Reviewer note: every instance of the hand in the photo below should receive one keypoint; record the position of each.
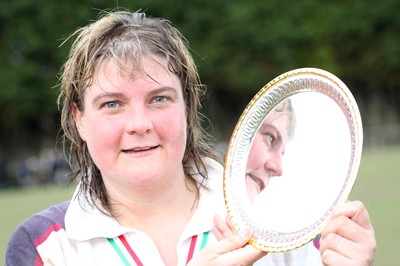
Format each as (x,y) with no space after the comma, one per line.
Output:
(349,238)
(232,248)
(223,229)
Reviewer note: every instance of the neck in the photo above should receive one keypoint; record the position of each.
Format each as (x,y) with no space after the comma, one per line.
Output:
(160,211)
(137,207)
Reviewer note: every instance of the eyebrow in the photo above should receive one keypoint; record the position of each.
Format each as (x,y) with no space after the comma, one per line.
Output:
(278,133)
(121,95)
(164,89)
(99,97)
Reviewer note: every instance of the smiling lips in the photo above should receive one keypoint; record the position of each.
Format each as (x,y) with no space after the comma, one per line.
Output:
(140,149)
(260,182)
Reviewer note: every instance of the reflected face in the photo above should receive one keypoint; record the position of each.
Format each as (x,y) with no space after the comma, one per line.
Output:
(265,157)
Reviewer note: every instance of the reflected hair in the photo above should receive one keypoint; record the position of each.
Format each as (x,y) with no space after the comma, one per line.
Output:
(127,38)
(287,106)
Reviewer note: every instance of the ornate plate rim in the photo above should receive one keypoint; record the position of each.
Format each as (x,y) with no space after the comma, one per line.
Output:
(280,88)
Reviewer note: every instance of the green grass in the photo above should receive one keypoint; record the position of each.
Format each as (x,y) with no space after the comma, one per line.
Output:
(377,185)
(17,205)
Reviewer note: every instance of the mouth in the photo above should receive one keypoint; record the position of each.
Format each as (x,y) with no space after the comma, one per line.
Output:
(258,181)
(140,149)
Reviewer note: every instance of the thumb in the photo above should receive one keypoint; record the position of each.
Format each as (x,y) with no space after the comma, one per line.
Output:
(234,242)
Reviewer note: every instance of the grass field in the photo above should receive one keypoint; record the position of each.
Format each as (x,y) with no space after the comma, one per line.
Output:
(377,185)
(17,205)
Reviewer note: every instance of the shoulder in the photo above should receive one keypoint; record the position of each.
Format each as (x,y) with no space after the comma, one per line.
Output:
(32,232)
(48,220)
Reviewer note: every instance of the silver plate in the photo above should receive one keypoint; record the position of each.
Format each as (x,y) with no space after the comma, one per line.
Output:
(322,160)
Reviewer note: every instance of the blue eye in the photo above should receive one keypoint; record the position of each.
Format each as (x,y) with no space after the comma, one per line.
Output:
(269,138)
(160,99)
(111,105)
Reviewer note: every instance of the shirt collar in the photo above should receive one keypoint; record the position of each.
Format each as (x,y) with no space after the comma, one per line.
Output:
(83,221)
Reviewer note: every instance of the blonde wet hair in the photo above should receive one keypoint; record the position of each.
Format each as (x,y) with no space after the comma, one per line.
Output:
(286,107)
(126,38)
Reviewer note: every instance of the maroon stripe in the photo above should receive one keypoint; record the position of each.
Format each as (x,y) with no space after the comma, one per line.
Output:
(52,228)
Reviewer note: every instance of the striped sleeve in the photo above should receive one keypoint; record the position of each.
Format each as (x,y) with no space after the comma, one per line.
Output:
(22,246)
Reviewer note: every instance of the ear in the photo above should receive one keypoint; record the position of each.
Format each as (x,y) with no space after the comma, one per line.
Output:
(79,121)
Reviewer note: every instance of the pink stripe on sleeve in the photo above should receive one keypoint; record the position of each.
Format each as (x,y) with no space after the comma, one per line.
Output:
(42,238)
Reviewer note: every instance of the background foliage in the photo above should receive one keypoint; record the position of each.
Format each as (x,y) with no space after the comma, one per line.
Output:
(238,45)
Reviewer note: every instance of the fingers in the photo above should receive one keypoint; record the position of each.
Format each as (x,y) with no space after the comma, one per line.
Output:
(356,211)
(342,245)
(234,250)
(347,228)
(349,238)
(225,233)
(331,258)
(229,223)
(232,247)
(351,221)
(223,229)
(337,250)
(248,255)
(234,241)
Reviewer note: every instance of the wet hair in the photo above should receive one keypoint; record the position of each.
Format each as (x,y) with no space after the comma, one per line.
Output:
(126,38)
(286,107)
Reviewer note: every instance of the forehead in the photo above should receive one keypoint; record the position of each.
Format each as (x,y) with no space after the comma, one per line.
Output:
(277,116)
(134,68)
(151,69)
(279,120)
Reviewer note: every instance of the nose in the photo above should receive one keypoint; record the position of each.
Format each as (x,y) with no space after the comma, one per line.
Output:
(138,120)
(274,164)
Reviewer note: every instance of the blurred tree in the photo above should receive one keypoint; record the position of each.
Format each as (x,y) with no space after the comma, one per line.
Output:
(31,58)
(238,45)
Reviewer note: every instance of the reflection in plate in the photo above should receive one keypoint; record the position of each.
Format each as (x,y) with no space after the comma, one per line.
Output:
(320,160)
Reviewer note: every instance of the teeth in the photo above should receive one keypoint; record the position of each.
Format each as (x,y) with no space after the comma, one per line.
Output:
(142,149)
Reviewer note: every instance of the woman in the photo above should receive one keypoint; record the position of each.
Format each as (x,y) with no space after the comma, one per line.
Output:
(269,144)
(149,185)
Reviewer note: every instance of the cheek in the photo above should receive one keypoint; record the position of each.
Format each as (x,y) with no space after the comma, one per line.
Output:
(101,137)
(104,136)
(251,189)
(256,154)
(173,128)
(172,122)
